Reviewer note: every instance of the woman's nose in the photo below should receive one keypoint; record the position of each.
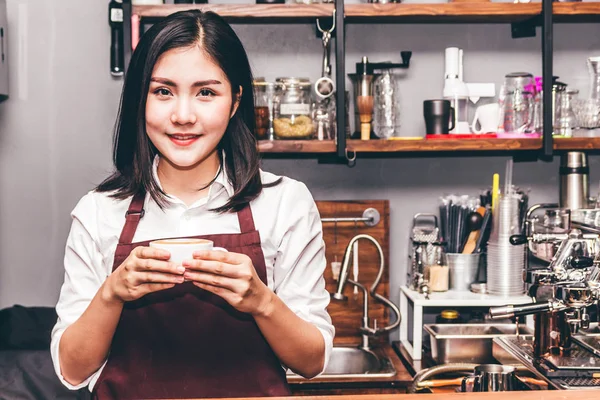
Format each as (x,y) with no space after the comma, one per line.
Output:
(183,113)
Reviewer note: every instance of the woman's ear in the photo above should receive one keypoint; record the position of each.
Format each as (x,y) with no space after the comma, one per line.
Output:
(236,103)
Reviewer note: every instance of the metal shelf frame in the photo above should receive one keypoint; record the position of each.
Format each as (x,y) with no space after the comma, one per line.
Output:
(345,155)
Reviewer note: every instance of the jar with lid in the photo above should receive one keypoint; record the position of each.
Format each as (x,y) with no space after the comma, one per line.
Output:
(448,317)
(264,98)
(293,109)
(438,271)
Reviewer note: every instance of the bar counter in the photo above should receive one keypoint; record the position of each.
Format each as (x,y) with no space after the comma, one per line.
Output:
(531,395)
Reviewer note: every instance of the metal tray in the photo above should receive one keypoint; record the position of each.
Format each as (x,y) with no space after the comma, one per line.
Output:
(472,343)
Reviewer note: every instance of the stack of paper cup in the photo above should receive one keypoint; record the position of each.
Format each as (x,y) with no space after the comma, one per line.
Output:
(505,262)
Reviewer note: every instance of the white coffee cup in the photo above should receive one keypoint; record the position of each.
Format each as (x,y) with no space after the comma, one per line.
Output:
(488,117)
(183,249)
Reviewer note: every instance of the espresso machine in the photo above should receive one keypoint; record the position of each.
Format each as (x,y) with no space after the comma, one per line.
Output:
(565,347)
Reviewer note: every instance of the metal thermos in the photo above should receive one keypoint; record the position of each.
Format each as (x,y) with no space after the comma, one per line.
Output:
(574,180)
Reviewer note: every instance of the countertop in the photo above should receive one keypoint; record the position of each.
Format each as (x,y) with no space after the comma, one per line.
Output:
(532,395)
(402,378)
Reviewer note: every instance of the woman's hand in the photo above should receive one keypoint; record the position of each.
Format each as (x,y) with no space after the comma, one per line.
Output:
(146,270)
(231,276)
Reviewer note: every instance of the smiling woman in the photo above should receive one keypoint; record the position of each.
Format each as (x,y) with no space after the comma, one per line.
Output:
(188,108)
(134,323)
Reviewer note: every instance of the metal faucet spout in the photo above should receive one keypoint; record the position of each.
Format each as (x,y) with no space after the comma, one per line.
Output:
(343,279)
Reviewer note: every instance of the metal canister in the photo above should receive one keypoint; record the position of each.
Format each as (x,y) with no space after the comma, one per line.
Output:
(574,180)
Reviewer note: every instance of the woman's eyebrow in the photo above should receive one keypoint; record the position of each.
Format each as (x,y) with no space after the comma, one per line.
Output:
(163,81)
(207,83)
(169,82)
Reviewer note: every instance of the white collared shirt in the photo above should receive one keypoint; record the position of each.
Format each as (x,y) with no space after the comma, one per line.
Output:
(285,215)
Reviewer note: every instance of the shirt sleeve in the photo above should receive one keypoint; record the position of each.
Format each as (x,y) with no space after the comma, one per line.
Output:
(84,274)
(300,263)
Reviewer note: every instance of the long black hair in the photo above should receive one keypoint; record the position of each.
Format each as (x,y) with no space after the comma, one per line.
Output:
(133,152)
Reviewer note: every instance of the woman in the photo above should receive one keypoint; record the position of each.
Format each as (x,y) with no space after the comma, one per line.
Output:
(134,325)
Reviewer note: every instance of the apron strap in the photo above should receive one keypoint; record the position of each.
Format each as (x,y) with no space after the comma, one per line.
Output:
(246,220)
(136,212)
(132,218)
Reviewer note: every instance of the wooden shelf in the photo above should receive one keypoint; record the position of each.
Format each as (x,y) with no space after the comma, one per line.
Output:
(391,12)
(443,145)
(580,143)
(245,12)
(576,12)
(296,146)
(469,12)
(443,12)
(423,145)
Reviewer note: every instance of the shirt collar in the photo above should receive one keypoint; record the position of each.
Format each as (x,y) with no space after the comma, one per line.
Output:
(221,180)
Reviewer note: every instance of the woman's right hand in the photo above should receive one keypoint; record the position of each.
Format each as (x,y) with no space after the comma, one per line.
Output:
(146,270)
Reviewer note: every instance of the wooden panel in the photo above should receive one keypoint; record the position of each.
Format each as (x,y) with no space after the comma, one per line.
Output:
(347,316)
(296,146)
(291,12)
(434,145)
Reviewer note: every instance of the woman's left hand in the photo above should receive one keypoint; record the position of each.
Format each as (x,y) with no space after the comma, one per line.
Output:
(231,276)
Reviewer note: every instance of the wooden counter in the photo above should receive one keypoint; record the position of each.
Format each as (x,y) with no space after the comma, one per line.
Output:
(533,395)
(354,386)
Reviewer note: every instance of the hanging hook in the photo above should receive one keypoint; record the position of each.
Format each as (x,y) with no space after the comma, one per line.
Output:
(327,31)
(351,160)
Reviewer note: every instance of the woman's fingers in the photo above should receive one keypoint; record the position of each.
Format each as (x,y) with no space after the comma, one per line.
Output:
(213,280)
(213,267)
(160,266)
(152,252)
(158,277)
(155,287)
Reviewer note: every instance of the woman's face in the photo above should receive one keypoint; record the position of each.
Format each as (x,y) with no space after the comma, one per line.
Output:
(188,107)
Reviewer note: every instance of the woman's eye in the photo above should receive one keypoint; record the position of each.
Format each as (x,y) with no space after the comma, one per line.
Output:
(162,92)
(206,93)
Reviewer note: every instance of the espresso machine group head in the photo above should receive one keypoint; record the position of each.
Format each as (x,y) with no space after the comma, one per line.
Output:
(563,291)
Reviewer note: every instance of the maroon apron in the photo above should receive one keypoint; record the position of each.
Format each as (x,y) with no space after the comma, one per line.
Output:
(185,342)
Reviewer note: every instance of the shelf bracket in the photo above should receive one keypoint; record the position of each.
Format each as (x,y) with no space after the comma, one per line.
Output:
(526,28)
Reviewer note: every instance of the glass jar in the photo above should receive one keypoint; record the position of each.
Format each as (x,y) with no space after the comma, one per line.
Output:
(514,82)
(386,113)
(518,112)
(594,71)
(264,98)
(564,118)
(438,271)
(293,109)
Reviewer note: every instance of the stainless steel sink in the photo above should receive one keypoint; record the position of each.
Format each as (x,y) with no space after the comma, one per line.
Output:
(352,362)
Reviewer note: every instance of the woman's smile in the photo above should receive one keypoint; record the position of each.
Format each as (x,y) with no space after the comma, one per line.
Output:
(184,139)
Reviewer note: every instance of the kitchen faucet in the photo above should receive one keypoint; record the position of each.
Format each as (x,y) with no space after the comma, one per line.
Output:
(365,329)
